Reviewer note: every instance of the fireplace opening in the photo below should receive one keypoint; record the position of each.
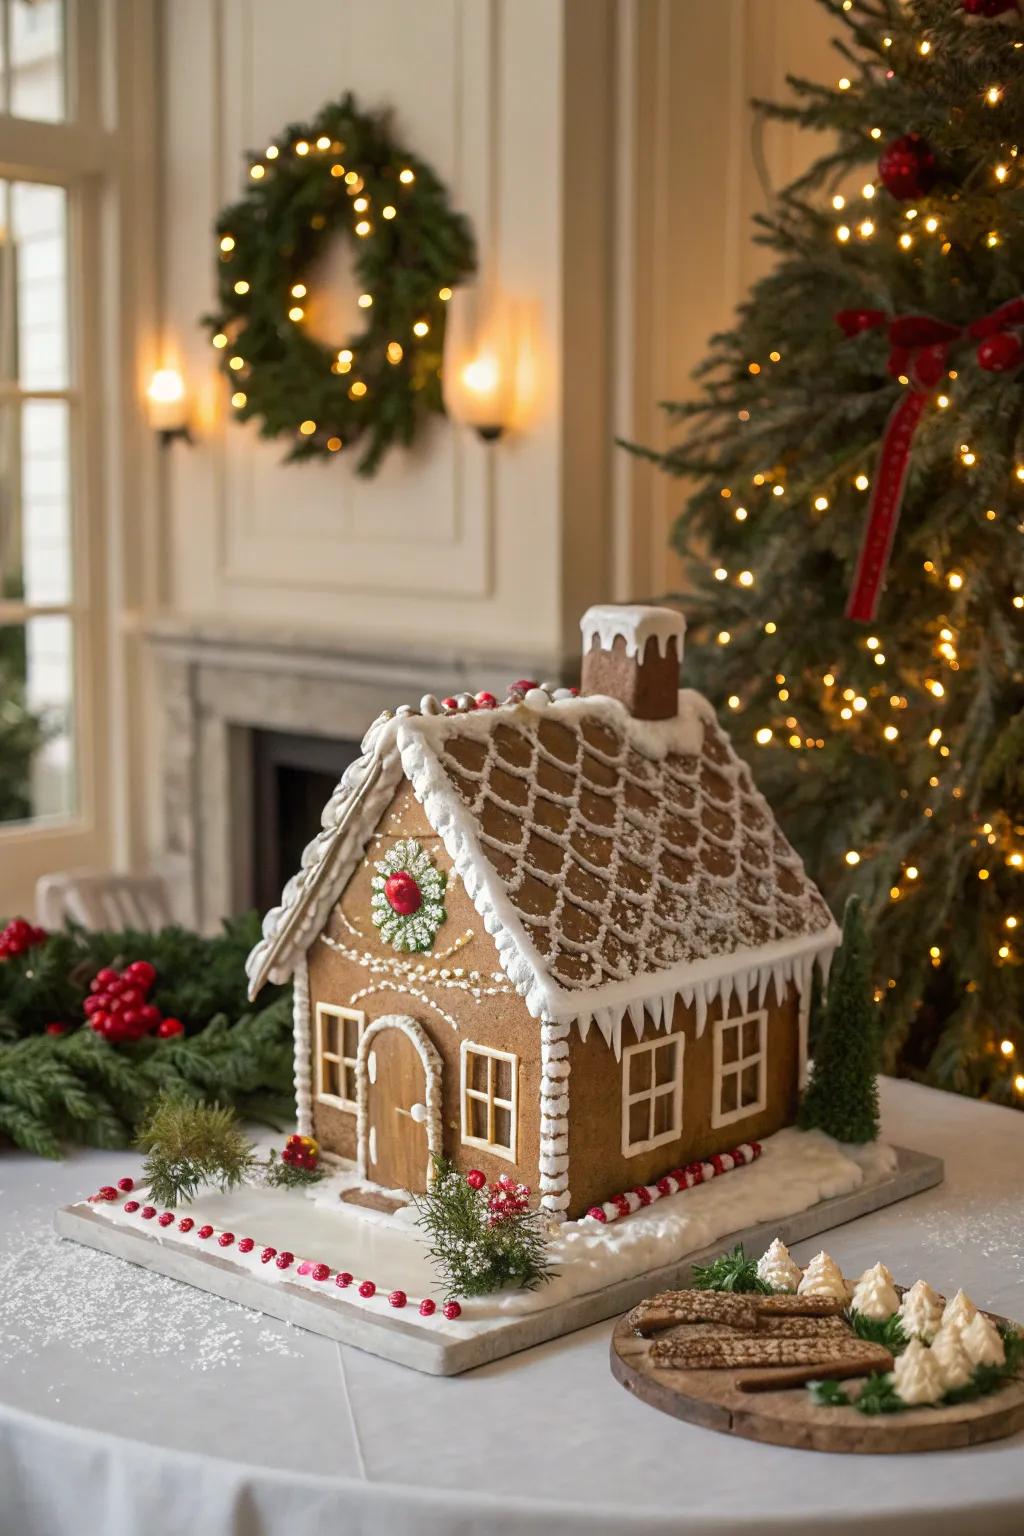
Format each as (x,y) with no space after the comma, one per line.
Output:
(293,777)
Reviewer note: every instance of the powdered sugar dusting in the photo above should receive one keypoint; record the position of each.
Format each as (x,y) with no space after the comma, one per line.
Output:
(56,1293)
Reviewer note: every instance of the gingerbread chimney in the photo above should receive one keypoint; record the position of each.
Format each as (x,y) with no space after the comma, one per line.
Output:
(633,654)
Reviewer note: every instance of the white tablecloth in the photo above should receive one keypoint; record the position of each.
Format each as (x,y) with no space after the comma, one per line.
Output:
(129,1404)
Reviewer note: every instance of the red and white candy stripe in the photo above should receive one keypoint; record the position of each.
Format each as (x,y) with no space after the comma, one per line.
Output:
(680,1178)
(283,1258)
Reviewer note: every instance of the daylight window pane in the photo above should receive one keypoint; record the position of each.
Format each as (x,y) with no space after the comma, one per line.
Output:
(39,272)
(37,59)
(36,719)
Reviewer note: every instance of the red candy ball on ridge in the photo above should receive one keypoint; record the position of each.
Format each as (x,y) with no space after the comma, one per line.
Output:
(185,1224)
(342,1279)
(131,1206)
(107,1192)
(367,1289)
(402,893)
(205,1231)
(320,1271)
(427,1307)
(126,1184)
(398,1298)
(524,684)
(452,1310)
(149,1211)
(486,700)
(267,1255)
(226,1239)
(165,1218)
(284,1259)
(246,1245)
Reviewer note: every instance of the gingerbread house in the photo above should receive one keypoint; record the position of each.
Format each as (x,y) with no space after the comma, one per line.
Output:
(560,937)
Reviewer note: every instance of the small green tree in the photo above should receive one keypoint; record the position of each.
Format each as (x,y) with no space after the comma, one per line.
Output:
(842,1096)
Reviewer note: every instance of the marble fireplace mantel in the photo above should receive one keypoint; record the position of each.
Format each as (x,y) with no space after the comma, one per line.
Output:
(219,681)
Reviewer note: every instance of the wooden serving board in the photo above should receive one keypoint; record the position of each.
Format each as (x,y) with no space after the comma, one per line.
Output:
(713,1400)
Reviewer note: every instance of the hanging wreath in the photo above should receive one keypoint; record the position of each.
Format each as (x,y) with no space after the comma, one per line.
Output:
(341,173)
(408,897)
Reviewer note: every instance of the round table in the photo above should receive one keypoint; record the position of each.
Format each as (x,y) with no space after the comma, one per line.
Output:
(129,1403)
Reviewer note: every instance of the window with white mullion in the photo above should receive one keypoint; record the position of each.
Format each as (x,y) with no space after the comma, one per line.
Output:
(740,1068)
(652,1093)
(489,1094)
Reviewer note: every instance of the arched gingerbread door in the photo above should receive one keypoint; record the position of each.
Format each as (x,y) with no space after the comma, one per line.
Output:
(399,1103)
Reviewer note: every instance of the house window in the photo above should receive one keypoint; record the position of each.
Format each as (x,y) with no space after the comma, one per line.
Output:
(338,1033)
(740,1052)
(652,1094)
(489,1096)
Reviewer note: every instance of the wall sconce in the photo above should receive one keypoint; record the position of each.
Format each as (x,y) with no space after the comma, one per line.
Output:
(480,366)
(167,406)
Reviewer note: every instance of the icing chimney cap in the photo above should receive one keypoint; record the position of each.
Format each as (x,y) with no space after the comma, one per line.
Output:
(632,653)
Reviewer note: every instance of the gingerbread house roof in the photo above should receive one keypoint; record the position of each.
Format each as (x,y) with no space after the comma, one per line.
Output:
(617,863)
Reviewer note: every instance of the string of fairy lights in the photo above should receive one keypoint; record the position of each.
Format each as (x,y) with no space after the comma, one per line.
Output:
(994,839)
(298,300)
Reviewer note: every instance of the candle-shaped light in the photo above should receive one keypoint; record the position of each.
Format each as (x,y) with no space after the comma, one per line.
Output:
(167,404)
(479,366)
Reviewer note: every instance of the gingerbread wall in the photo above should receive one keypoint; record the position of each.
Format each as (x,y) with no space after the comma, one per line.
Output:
(597,1166)
(450,1010)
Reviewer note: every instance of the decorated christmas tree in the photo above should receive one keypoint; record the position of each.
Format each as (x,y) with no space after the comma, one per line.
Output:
(842,1097)
(855,464)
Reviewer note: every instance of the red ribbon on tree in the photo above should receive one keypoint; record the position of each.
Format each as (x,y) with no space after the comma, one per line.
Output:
(919,352)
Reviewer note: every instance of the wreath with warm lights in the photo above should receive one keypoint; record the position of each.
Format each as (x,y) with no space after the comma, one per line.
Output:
(342,173)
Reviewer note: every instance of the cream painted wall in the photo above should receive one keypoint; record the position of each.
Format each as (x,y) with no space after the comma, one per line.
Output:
(455,540)
(606,154)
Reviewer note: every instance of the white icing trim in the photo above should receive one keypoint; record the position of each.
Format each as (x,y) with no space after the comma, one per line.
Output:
(303,1057)
(736,1068)
(490,1098)
(554,1118)
(609,622)
(650,1095)
(432,1074)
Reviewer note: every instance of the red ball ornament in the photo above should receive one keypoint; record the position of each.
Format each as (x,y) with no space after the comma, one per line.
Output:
(342,1279)
(989,8)
(267,1255)
(452,1310)
(125,1184)
(184,1225)
(167,1029)
(906,167)
(131,1206)
(284,1259)
(398,1299)
(1000,353)
(226,1239)
(205,1231)
(320,1271)
(149,1211)
(427,1307)
(402,893)
(475,1179)
(165,1218)
(245,1245)
(853,321)
(367,1289)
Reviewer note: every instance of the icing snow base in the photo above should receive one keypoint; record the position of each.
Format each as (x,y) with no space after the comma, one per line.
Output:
(796,1170)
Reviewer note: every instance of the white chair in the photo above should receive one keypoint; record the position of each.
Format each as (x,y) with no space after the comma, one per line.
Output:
(104,900)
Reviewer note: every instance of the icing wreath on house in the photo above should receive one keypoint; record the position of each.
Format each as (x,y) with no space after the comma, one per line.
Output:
(563,936)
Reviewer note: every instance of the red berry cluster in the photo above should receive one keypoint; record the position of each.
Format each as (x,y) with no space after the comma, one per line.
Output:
(506,1200)
(301,1152)
(117,1007)
(19,936)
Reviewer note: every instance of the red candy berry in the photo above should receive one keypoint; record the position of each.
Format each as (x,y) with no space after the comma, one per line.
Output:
(126,1184)
(367,1288)
(108,1192)
(131,1206)
(524,684)
(185,1224)
(284,1259)
(141,973)
(226,1239)
(205,1231)
(55,1029)
(427,1307)
(165,1218)
(320,1271)
(168,1028)
(267,1255)
(486,701)
(450,703)
(149,1211)
(342,1278)
(402,893)
(475,1179)
(452,1310)
(398,1298)
(104,978)
(245,1245)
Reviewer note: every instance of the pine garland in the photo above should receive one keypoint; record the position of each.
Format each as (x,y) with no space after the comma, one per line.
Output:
(76,1088)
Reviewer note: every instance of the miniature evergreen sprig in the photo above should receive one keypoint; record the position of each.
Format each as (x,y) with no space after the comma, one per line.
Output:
(275,1173)
(189,1146)
(888,1333)
(732,1271)
(482,1237)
